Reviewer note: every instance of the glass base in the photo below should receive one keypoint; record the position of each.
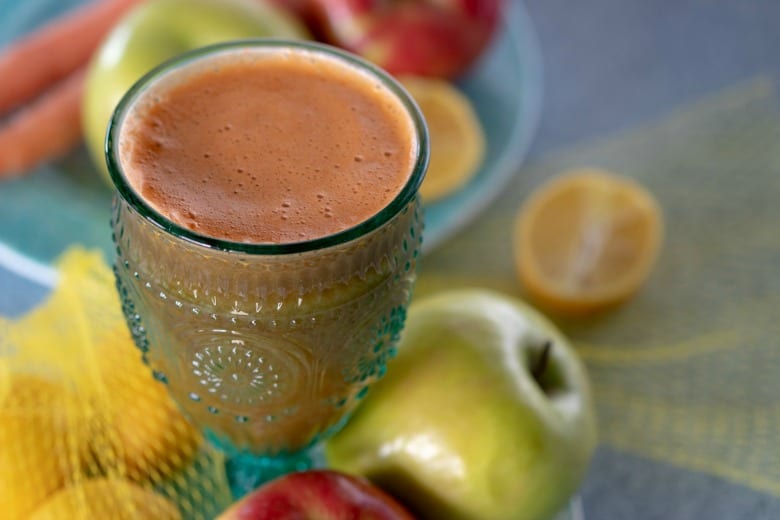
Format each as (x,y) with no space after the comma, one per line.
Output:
(246,472)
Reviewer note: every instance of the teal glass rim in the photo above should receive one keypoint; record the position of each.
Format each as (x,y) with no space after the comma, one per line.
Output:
(401,201)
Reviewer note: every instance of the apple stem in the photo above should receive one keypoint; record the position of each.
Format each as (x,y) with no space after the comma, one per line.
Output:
(542,362)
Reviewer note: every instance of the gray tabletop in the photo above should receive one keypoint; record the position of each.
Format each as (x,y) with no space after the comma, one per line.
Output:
(611,65)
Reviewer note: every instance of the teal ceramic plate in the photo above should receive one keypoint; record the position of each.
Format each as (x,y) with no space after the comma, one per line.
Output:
(67,203)
(506,89)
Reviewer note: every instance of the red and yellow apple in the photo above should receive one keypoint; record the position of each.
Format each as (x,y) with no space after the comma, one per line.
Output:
(321,494)
(422,37)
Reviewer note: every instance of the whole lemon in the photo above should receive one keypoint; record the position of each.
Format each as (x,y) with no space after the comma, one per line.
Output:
(42,441)
(108,498)
(144,434)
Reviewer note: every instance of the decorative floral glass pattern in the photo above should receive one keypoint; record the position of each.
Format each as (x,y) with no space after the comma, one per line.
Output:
(266,353)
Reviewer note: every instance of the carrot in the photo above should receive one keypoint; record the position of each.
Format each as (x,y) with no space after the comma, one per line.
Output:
(45,129)
(40,59)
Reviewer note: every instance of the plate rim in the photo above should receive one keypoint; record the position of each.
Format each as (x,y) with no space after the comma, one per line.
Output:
(524,40)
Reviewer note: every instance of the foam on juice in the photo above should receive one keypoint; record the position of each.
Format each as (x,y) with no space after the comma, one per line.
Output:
(268,147)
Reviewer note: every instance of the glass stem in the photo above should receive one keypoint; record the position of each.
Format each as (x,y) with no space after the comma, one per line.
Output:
(247,472)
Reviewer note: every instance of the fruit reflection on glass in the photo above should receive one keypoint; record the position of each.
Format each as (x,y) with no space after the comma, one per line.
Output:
(267,227)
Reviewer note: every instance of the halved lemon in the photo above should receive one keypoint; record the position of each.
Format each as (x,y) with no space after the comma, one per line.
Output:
(456,134)
(587,240)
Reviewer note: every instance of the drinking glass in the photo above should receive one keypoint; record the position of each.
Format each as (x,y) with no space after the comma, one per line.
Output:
(267,348)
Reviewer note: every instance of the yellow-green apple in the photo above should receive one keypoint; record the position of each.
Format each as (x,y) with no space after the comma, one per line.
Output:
(486,413)
(317,494)
(421,37)
(157,30)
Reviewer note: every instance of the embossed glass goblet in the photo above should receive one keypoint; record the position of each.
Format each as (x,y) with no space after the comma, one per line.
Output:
(265,347)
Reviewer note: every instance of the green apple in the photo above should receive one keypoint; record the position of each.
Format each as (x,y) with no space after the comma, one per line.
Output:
(157,30)
(486,413)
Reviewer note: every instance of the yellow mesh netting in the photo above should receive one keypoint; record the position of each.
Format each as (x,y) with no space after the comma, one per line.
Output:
(687,372)
(85,431)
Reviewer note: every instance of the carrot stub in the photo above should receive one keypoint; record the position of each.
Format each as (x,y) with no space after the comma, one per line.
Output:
(38,60)
(45,129)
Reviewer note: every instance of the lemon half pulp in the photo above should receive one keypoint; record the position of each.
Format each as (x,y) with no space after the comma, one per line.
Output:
(587,240)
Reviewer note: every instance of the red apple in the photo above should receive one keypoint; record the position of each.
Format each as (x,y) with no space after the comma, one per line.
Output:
(423,37)
(303,10)
(320,494)
(297,7)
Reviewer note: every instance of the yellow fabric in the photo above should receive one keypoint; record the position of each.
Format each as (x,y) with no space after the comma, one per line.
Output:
(80,405)
(687,372)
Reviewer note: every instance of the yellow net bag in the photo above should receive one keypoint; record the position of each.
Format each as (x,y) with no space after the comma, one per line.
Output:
(85,430)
